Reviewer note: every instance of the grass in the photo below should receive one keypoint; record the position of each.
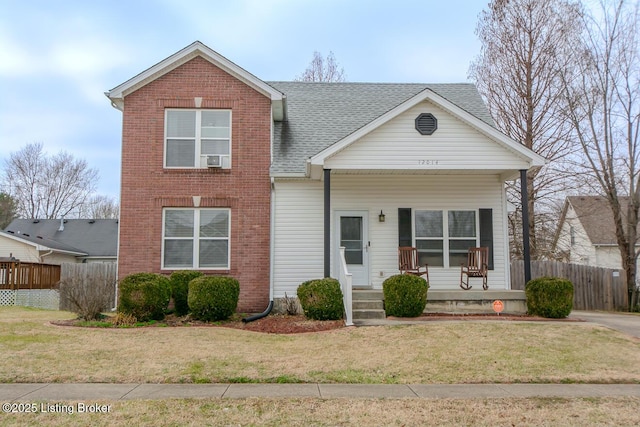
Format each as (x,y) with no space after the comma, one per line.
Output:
(342,412)
(437,352)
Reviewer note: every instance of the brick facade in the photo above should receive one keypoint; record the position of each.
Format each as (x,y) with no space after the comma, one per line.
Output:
(147,187)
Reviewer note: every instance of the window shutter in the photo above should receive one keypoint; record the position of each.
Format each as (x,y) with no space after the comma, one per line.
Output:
(486,232)
(405,233)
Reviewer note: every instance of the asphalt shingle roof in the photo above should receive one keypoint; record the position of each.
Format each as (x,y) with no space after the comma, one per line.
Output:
(97,237)
(321,114)
(596,217)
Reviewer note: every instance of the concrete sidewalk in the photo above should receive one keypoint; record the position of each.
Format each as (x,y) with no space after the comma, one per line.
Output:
(65,392)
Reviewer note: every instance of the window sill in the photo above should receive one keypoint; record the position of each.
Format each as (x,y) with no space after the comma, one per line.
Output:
(201,270)
(186,171)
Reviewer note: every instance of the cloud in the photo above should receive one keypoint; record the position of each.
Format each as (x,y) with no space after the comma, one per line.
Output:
(15,59)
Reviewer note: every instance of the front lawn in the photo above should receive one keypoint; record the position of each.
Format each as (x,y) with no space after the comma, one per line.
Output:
(436,352)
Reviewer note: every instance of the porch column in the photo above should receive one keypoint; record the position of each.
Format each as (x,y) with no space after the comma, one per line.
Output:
(327,222)
(524,197)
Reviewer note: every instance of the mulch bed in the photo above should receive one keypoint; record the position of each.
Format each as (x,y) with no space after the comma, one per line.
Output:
(273,324)
(288,324)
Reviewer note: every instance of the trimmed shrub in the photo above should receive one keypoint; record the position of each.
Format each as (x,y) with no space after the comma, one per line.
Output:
(180,289)
(550,297)
(321,299)
(405,295)
(145,296)
(213,298)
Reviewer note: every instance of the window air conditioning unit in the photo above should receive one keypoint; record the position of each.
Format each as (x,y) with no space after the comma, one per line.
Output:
(214,161)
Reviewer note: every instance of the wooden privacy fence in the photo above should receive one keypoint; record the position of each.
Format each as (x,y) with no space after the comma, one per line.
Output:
(96,281)
(594,288)
(15,275)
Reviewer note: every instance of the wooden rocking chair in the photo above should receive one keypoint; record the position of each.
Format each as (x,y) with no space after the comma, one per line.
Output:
(408,262)
(477,266)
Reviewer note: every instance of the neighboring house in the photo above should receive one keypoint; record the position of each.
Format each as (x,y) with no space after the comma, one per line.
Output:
(55,241)
(586,232)
(228,174)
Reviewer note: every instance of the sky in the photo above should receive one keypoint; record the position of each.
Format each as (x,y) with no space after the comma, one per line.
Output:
(57,58)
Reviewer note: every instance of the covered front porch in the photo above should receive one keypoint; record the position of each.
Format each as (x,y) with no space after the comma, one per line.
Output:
(426,174)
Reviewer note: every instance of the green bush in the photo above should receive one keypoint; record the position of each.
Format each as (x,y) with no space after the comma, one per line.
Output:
(213,298)
(405,295)
(180,289)
(550,297)
(321,299)
(145,296)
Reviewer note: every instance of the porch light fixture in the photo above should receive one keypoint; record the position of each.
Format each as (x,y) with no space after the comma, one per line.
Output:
(381,216)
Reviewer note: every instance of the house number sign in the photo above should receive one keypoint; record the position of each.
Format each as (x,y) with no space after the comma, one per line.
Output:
(425,162)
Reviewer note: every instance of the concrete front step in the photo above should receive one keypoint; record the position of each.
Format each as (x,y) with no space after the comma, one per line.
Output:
(368,304)
(369,314)
(367,294)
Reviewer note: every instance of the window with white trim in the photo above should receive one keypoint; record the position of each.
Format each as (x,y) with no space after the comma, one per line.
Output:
(444,237)
(196,238)
(191,136)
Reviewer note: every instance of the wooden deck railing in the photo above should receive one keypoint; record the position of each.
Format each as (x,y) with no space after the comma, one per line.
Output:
(28,275)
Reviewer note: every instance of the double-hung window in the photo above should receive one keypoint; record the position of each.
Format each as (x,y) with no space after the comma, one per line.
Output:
(444,237)
(196,238)
(191,136)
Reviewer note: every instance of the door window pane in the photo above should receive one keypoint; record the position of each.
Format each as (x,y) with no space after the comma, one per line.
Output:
(351,239)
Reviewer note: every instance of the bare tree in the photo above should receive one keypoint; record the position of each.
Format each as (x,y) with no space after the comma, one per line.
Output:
(100,207)
(7,210)
(603,105)
(88,289)
(524,45)
(322,70)
(48,186)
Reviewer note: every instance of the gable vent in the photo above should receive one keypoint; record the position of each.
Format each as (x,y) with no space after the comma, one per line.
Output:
(426,124)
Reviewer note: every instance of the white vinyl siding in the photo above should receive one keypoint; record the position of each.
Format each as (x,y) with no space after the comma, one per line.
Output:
(453,146)
(28,252)
(299,222)
(192,135)
(195,238)
(19,250)
(298,235)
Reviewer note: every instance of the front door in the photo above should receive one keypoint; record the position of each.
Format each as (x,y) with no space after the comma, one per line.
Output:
(352,233)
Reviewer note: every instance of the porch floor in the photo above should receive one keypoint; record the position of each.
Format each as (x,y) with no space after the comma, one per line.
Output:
(369,304)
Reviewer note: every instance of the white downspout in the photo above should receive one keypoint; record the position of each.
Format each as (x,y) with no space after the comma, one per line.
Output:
(44,255)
